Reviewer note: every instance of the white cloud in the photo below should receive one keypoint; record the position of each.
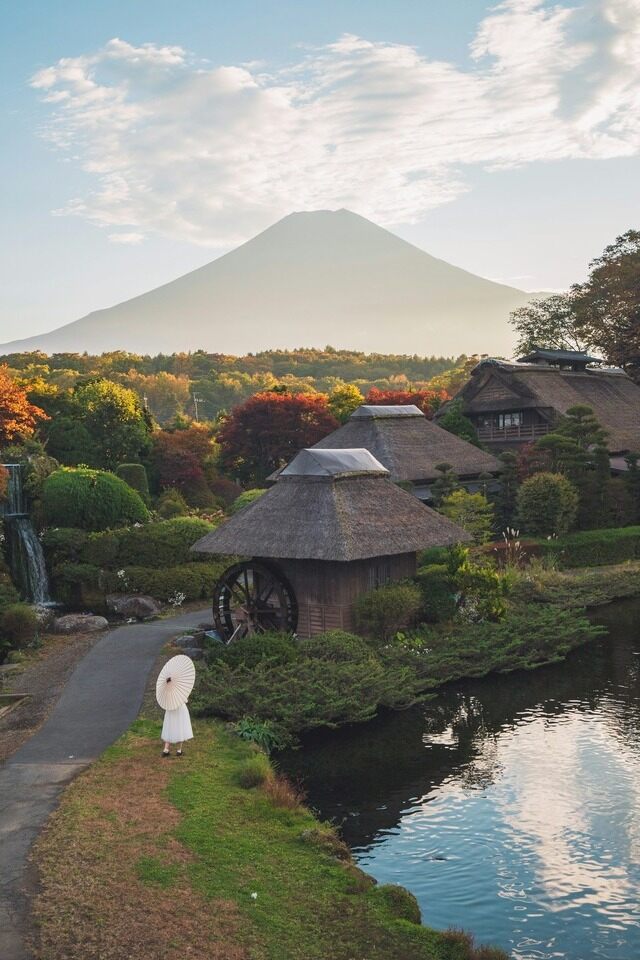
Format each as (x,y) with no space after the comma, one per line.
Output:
(212,155)
(130,237)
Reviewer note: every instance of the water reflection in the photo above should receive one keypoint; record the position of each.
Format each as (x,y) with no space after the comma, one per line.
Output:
(507,805)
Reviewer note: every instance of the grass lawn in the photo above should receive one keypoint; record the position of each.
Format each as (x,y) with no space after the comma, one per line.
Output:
(170,859)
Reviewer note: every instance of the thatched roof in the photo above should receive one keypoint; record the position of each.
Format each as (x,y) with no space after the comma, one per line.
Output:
(339,513)
(408,444)
(496,385)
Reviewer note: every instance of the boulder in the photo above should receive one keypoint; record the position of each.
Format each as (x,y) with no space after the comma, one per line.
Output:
(196,653)
(79,623)
(186,640)
(128,605)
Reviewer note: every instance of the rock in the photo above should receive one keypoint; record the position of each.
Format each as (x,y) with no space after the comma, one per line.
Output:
(45,615)
(133,605)
(79,623)
(184,641)
(194,652)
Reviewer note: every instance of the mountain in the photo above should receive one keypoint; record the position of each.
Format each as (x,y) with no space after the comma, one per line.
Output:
(309,280)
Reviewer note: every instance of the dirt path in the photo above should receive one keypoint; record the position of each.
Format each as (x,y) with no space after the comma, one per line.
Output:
(99,701)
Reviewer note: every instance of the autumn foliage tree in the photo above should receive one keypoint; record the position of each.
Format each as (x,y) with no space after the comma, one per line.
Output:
(426,400)
(268,429)
(18,417)
(179,458)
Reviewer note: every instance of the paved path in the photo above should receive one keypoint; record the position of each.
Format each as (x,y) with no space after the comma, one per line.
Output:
(101,699)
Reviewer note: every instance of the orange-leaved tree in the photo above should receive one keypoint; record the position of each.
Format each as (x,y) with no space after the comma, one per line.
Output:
(426,400)
(18,417)
(268,429)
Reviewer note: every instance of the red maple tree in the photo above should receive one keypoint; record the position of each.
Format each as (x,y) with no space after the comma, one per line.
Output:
(18,417)
(426,400)
(179,455)
(268,429)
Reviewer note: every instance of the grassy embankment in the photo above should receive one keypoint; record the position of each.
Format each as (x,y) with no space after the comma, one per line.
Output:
(174,859)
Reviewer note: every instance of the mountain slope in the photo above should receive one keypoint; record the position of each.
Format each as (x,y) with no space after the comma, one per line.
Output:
(308,280)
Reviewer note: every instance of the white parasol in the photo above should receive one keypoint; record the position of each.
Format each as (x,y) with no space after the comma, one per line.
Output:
(175,682)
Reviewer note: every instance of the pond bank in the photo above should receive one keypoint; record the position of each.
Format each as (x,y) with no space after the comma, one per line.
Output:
(162,856)
(510,800)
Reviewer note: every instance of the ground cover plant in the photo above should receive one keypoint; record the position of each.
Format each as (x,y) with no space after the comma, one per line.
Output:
(255,875)
(338,678)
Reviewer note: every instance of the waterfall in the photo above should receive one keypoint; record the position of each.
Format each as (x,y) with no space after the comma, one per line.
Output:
(26,557)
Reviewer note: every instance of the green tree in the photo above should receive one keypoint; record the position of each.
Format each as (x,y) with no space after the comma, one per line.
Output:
(505,502)
(454,420)
(580,424)
(550,322)
(445,484)
(472,512)
(116,422)
(547,504)
(609,303)
(343,400)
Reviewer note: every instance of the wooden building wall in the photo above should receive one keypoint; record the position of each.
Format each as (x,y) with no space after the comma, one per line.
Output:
(326,591)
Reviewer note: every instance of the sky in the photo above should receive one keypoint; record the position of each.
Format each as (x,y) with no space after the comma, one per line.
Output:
(142,139)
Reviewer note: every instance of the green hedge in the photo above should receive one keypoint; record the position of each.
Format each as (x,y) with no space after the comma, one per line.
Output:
(194,580)
(161,544)
(90,499)
(63,545)
(591,548)
(85,582)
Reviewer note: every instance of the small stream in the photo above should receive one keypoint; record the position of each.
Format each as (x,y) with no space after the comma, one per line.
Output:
(509,806)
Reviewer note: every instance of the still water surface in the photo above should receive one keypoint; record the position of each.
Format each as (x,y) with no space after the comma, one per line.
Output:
(509,806)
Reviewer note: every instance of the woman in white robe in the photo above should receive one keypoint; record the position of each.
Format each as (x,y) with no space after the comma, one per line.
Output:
(176,729)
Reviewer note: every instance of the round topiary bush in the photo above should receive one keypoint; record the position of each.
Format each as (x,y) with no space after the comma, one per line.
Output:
(385,610)
(547,504)
(90,499)
(136,476)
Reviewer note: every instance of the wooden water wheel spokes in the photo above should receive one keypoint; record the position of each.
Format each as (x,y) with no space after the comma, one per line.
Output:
(253,597)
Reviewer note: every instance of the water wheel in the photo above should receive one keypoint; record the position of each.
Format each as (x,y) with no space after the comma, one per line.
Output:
(253,597)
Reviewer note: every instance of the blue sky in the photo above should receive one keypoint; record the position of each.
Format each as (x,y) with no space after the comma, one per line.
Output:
(502,138)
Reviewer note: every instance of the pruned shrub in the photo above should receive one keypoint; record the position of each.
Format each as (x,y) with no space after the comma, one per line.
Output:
(254,771)
(257,647)
(194,580)
(90,499)
(18,624)
(171,504)
(547,504)
(160,544)
(63,544)
(136,476)
(401,903)
(385,610)
(438,592)
(589,548)
(336,679)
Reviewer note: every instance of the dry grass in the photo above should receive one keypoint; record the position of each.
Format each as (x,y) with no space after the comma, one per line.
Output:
(123,890)
(282,793)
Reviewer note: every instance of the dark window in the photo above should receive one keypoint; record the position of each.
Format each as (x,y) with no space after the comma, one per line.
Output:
(513,419)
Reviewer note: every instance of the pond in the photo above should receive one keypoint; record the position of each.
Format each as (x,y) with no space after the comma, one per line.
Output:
(509,806)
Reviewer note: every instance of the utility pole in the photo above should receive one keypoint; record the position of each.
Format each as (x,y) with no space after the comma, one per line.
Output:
(196,401)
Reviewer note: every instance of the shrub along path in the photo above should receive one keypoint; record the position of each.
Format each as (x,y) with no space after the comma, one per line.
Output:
(101,699)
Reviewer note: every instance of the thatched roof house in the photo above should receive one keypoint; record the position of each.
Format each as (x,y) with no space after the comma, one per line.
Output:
(410,446)
(333,526)
(512,403)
